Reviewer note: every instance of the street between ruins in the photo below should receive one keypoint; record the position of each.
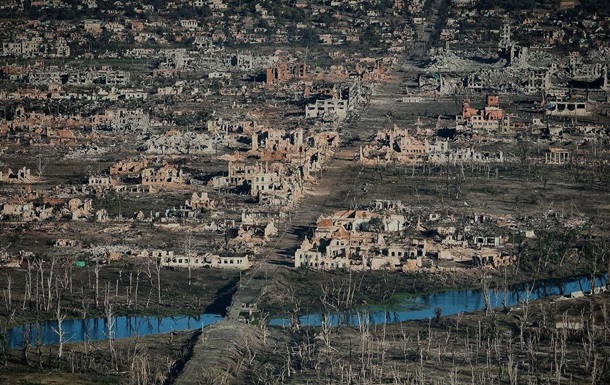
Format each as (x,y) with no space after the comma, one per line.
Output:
(277,192)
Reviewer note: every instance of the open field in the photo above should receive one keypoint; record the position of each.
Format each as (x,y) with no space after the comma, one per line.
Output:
(543,341)
(149,359)
(117,284)
(390,149)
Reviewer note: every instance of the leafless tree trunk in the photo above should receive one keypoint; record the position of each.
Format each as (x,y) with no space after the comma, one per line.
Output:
(157,263)
(59,331)
(187,246)
(137,286)
(110,325)
(129,290)
(39,344)
(485,291)
(84,303)
(116,290)
(524,317)
(295,322)
(28,285)
(4,343)
(139,370)
(26,333)
(39,283)
(9,283)
(96,270)
(50,285)
(41,164)
(512,366)
(505,289)
(7,294)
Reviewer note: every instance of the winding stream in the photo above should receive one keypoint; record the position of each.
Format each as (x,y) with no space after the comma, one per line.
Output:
(451,302)
(408,309)
(94,329)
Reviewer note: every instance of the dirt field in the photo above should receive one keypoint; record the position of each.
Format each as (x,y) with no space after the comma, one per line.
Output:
(177,297)
(545,341)
(149,359)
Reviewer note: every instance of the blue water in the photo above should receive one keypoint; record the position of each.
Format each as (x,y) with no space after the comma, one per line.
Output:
(409,309)
(451,302)
(93,329)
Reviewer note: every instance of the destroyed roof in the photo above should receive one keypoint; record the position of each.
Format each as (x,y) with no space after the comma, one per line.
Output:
(353,214)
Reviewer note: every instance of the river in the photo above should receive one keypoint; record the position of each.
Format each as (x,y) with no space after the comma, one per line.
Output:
(450,302)
(409,308)
(93,329)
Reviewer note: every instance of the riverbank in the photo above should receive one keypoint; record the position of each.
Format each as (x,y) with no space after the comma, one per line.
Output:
(408,308)
(96,329)
(450,302)
(550,341)
(141,360)
(128,288)
(467,346)
(312,291)
(522,345)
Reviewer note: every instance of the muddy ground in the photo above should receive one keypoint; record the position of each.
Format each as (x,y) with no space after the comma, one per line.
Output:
(149,359)
(544,341)
(177,296)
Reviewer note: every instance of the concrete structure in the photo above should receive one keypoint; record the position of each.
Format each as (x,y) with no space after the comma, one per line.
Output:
(166,176)
(539,81)
(567,109)
(493,258)
(327,109)
(345,241)
(557,155)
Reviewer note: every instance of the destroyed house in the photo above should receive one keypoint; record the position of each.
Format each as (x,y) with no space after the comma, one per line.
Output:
(491,117)
(493,258)
(198,202)
(23,175)
(99,181)
(569,109)
(195,261)
(167,175)
(358,255)
(327,109)
(67,243)
(398,146)
(484,241)
(262,178)
(556,155)
(345,239)
(128,166)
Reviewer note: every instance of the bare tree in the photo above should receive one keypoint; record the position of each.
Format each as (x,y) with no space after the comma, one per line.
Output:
(137,287)
(139,371)
(9,282)
(187,246)
(28,285)
(485,292)
(38,263)
(110,324)
(50,284)
(84,303)
(157,266)
(263,318)
(523,319)
(26,333)
(39,344)
(41,164)
(523,150)
(96,270)
(59,330)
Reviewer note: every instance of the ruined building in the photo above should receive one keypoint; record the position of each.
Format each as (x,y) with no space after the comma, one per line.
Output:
(166,176)
(490,118)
